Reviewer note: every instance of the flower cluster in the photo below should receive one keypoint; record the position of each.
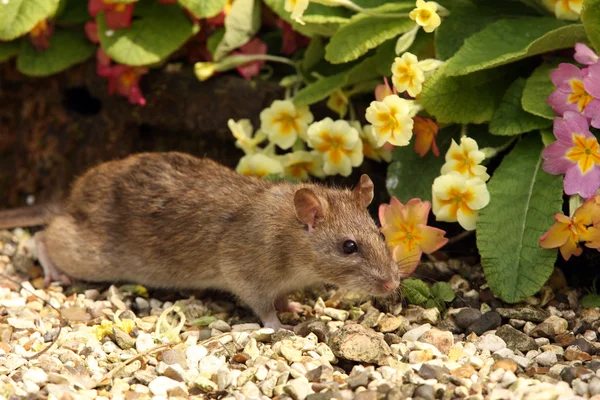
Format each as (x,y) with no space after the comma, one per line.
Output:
(564,9)
(461,191)
(407,234)
(408,73)
(569,233)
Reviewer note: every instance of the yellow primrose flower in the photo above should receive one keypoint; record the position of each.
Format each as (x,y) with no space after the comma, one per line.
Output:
(370,148)
(339,144)
(242,130)
(283,122)
(465,159)
(301,164)
(407,75)
(392,120)
(338,102)
(204,70)
(457,198)
(259,165)
(426,15)
(296,8)
(564,9)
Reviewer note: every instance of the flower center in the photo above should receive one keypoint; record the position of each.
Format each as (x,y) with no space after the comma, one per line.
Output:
(425,14)
(579,95)
(288,123)
(585,152)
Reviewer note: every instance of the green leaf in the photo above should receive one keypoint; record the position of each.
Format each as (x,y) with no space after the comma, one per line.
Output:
(590,300)
(435,303)
(203,8)
(366,70)
(510,40)
(422,47)
(213,40)
(510,118)
(537,89)
(415,291)
(330,18)
(547,136)
(319,90)
(314,54)
(156,32)
(443,291)
(465,99)
(67,48)
(523,200)
(9,49)
(364,33)
(137,290)
(401,180)
(203,321)
(17,17)
(74,12)
(590,16)
(242,22)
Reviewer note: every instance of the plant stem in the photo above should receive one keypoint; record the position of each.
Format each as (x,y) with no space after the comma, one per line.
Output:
(459,237)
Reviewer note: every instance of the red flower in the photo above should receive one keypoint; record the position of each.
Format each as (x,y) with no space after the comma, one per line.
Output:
(425,131)
(254,46)
(219,19)
(91,32)
(117,15)
(122,79)
(40,34)
(292,40)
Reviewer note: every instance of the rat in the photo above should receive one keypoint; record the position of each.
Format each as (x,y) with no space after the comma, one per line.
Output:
(172,220)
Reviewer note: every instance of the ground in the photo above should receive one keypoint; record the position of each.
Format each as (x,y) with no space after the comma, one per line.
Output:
(125,343)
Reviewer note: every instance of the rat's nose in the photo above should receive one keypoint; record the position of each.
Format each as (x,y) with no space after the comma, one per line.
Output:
(390,285)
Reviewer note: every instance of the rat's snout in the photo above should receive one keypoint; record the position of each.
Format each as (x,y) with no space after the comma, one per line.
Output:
(389,285)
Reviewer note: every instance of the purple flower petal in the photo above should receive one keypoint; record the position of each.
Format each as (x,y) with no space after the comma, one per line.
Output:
(563,74)
(559,101)
(591,82)
(571,123)
(585,55)
(584,185)
(555,162)
(592,112)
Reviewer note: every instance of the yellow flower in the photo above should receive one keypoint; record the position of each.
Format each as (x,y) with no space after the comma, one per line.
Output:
(259,165)
(407,75)
(392,120)
(204,70)
(465,159)
(242,130)
(426,15)
(456,198)
(339,144)
(297,8)
(283,122)
(370,148)
(338,102)
(300,164)
(564,9)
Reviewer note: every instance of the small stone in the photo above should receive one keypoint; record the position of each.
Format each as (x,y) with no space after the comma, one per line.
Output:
(442,340)
(205,385)
(144,342)
(420,356)
(425,392)
(466,371)
(467,317)
(488,321)
(251,349)
(5,333)
(392,324)
(525,314)
(338,315)
(224,378)
(429,371)
(431,316)
(508,379)
(250,391)
(573,353)
(194,354)
(220,325)
(298,388)
(568,374)
(516,340)
(505,364)
(323,373)
(414,334)
(585,346)
(356,343)
(546,359)
(290,353)
(391,338)
(358,379)
(19,323)
(594,386)
(174,356)
(366,395)
(163,386)
(551,327)
(371,317)
(263,335)
(490,342)
(282,334)
(35,375)
(318,327)
(580,387)
(564,340)
(245,327)
(123,339)
(590,335)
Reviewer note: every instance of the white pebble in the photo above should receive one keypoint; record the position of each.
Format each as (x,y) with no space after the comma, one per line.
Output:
(209,365)
(161,385)
(35,375)
(414,334)
(144,342)
(194,354)
(19,323)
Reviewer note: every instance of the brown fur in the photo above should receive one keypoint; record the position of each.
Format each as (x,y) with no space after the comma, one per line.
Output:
(175,221)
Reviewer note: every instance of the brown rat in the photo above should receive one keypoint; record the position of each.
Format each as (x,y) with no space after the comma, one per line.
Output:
(171,220)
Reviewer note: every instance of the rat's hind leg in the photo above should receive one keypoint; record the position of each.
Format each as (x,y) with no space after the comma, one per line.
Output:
(264,308)
(51,272)
(283,305)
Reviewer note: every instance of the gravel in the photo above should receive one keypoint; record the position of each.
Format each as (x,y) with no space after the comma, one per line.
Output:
(121,342)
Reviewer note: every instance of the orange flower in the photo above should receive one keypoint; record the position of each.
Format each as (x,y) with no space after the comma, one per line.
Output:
(567,233)
(425,131)
(407,234)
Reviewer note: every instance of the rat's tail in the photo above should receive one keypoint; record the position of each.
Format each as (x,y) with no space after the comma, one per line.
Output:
(27,216)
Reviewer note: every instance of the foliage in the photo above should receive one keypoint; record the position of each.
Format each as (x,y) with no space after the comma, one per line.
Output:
(419,293)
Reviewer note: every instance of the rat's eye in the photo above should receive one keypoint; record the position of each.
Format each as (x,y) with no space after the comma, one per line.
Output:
(350,247)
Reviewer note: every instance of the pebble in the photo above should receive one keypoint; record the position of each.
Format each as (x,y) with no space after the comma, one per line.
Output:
(551,327)
(414,334)
(467,317)
(392,324)
(442,340)
(18,323)
(220,325)
(163,386)
(194,354)
(546,359)
(339,315)
(357,343)
(488,321)
(245,327)
(298,388)
(144,342)
(491,343)
(515,339)
(525,314)
(425,392)
(205,385)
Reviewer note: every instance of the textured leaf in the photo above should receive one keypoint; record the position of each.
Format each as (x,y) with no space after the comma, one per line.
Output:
(523,200)
(422,47)
(537,89)
(213,40)
(144,43)
(364,33)
(463,99)
(510,40)
(17,17)
(443,291)
(590,16)
(590,301)
(510,118)
(329,18)
(204,8)
(547,136)
(242,22)
(67,48)
(401,180)
(74,12)
(314,54)
(364,71)
(9,49)
(319,90)
(415,291)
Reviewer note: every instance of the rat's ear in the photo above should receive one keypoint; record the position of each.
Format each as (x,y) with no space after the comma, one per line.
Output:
(363,192)
(309,209)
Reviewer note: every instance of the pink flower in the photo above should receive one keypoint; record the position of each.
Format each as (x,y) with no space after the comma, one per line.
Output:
(122,79)
(585,55)
(570,94)
(251,69)
(591,83)
(575,153)
(91,31)
(117,15)
(292,40)
(382,91)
